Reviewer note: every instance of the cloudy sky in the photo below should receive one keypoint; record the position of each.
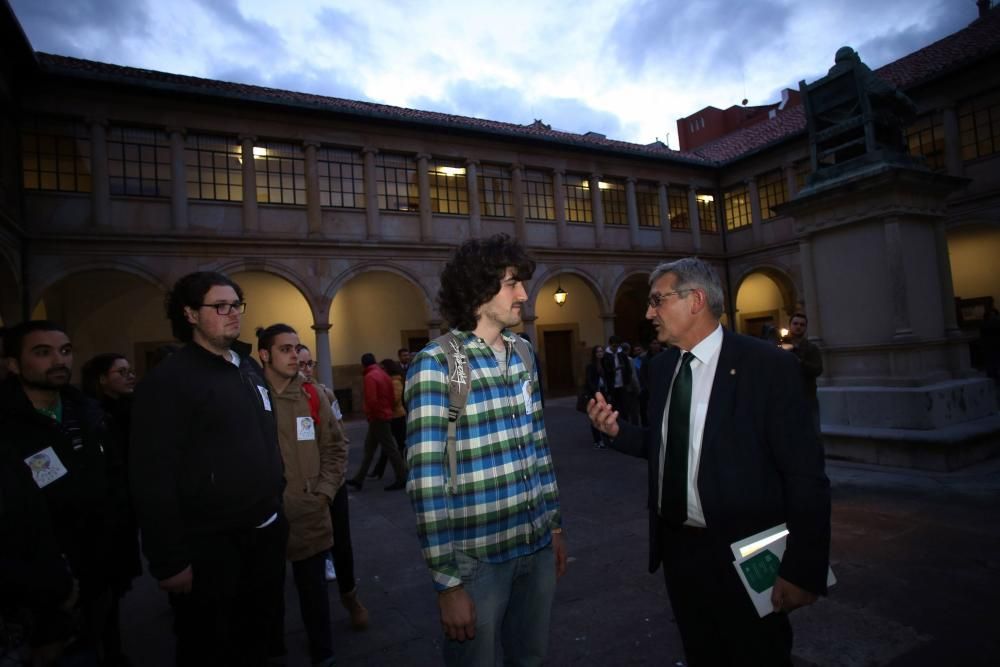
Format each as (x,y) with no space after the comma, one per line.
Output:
(626,68)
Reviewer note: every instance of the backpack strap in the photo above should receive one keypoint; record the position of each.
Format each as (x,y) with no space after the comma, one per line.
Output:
(458,396)
(527,355)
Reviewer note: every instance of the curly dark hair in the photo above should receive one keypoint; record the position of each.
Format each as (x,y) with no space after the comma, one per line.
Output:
(472,277)
(190,291)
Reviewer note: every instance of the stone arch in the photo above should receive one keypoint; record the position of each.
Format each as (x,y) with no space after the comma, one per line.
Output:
(627,275)
(62,271)
(281,271)
(539,281)
(630,301)
(364,267)
(750,321)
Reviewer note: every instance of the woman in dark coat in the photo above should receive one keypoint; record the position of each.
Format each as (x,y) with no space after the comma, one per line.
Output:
(595,383)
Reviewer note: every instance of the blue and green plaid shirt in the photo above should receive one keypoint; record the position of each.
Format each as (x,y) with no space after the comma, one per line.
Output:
(506,502)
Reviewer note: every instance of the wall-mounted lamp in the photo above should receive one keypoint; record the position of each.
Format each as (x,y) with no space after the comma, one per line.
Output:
(560,295)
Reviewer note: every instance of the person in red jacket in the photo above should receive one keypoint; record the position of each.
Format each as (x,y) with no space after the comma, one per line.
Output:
(379,400)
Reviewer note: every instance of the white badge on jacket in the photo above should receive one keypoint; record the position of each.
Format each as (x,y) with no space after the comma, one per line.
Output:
(526,395)
(45,467)
(265,397)
(306,428)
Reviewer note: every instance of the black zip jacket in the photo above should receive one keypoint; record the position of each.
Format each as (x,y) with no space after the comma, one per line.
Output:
(204,455)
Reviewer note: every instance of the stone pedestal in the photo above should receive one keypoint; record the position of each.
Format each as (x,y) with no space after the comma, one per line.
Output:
(897,387)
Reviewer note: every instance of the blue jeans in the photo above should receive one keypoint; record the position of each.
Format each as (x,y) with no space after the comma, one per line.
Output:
(513,604)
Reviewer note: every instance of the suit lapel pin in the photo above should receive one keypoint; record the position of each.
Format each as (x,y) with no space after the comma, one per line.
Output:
(732,371)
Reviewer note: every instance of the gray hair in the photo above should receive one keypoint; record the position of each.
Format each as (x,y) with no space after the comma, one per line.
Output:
(691,273)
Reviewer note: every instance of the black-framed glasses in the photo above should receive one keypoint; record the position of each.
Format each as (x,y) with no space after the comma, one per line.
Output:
(227,308)
(307,364)
(655,298)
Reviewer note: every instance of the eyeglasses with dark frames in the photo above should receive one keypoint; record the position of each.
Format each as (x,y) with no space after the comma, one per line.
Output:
(307,364)
(655,298)
(227,308)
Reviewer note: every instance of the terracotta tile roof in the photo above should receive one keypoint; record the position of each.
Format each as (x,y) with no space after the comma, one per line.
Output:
(979,39)
(89,69)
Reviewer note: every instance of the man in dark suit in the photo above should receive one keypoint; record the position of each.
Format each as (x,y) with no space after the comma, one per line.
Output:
(731,452)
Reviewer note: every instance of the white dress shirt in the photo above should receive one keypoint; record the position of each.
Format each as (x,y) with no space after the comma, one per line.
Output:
(706,360)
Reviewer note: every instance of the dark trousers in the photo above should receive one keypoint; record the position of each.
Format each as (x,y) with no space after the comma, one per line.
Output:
(717,621)
(314,603)
(343,553)
(398,427)
(235,610)
(380,435)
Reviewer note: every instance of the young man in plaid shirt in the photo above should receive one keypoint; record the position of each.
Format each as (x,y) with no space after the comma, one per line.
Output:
(492,540)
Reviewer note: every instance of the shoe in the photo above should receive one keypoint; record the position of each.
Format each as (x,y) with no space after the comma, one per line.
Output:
(396,486)
(354,484)
(359,615)
(331,574)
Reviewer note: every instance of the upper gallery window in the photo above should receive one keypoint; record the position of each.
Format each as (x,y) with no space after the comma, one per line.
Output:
(139,162)
(647,203)
(495,193)
(539,202)
(613,201)
(281,173)
(214,167)
(677,208)
(772,188)
(449,187)
(708,223)
(925,137)
(341,178)
(736,202)
(578,205)
(396,180)
(55,155)
(979,126)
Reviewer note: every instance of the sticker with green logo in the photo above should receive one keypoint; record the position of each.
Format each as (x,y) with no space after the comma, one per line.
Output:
(761,570)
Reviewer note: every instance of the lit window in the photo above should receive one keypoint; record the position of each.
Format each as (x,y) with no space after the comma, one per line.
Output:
(495,192)
(214,168)
(925,138)
(341,178)
(396,180)
(539,202)
(677,208)
(139,162)
(449,189)
(979,127)
(706,212)
(55,155)
(773,191)
(281,173)
(578,204)
(647,202)
(736,206)
(613,201)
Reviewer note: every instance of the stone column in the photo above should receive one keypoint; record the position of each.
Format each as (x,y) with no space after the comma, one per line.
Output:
(250,222)
(597,209)
(314,212)
(898,294)
(529,328)
(517,192)
(424,184)
(373,220)
(756,218)
(632,212)
(435,328)
(791,184)
(100,189)
(952,142)
(695,215)
(178,180)
(559,200)
(665,229)
(608,320)
(324,365)
(809,291)
(472,184)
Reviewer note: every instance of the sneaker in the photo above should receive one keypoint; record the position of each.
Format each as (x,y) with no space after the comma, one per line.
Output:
(331,574)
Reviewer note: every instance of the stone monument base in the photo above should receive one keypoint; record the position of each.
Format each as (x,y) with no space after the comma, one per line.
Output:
(943,426)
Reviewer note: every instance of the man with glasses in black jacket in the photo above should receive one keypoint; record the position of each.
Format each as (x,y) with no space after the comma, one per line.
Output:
(207,482)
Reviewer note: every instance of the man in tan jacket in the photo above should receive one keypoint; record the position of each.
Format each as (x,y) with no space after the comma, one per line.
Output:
(315,458)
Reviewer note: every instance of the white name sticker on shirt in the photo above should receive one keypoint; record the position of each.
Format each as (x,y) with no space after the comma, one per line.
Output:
(526,393)
(45,467)
(264,396)
(306,428)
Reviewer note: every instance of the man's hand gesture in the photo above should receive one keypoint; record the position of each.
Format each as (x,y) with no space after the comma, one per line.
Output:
(602,415)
